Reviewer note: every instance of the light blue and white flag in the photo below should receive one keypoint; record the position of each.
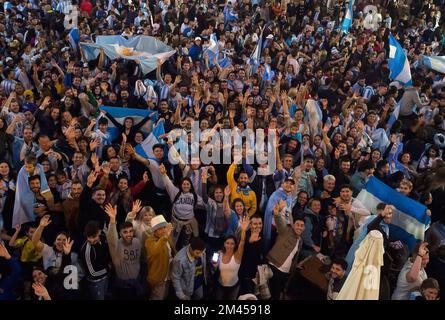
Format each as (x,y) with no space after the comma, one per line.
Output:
(436,63)
(74,38)
(118,115)
(213,52)
(229,16)
(147,50)
(347,21)
(409,220)
(394,116)
(398,63)
(145,148)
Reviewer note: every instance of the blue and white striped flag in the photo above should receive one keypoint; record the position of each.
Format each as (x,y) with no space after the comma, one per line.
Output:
(74,38)
(409,219)
(347,21)
(213,52)
(436,63)
(229,16)
(394,116)
(398,63)
(119,114)
(145,148)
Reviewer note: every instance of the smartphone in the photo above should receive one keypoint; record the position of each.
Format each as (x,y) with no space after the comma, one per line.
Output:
(215,257)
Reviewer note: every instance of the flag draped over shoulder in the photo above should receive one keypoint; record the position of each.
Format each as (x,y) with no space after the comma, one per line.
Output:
(25,198)
(119,115)
(147,50)
(398,63)
(409,219)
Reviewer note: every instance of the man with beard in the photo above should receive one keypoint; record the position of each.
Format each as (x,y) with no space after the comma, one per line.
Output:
(240,189)
(92,200)
(253,255)
(125,255)
(292,147)
(71,210)
(351,207)
(337,277)
(21,146)
(282,195)
(325,195)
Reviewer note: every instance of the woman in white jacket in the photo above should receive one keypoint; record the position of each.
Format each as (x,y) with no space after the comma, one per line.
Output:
(142,221)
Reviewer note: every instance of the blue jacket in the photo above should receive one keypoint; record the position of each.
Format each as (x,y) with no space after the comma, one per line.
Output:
(183,273)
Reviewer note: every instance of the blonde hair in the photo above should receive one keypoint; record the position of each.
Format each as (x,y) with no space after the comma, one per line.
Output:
(144,210)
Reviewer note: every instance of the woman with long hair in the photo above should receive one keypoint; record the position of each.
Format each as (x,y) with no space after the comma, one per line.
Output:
(184,201)
(7,192)
(228,264)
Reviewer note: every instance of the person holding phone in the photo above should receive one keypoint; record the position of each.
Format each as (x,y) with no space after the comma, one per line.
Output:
(227,263)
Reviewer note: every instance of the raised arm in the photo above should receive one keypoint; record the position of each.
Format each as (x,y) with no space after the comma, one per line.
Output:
(239,253)
(44,222)
(172,190)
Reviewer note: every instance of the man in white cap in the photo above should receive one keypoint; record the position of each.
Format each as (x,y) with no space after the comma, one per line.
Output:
(160,252)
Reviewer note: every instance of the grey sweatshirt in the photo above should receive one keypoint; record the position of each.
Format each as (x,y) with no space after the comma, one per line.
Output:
(126,258)
(184,206)
(409,99)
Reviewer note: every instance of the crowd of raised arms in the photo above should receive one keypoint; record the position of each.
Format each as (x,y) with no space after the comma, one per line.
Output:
(85,215)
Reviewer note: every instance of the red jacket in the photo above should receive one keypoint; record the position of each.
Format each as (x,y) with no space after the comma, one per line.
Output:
(87,7)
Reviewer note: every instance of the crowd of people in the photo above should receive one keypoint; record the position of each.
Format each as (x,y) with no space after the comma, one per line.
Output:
(84,214)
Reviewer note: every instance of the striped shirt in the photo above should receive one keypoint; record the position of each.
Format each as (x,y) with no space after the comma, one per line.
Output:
(65,7)
(8,86)
(368,92)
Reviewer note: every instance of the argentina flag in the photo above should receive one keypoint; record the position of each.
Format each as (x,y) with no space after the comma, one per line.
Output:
(436,63)
(229,15)
(213,52)
(145,148)
(117,115)
(347,21)
(398,63)
(74,38)
(145,49)
(409,220)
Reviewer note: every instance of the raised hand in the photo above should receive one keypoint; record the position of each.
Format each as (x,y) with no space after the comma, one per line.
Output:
(40,291)
(130,150)
(124,138)
(423,249)
(282,204)
(91,178)
(245,223)
(18,228)
(46,102)
(276,210)
(93,144)
(137,206)
(67,246)
(111,212)
(227,191)
(145,177)
(162,170)
(45,221)
(204,174)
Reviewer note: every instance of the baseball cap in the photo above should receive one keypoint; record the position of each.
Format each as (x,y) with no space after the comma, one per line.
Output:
(198,39)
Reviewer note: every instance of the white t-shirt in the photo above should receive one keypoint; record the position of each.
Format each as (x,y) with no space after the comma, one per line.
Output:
(285,267)
(404,288)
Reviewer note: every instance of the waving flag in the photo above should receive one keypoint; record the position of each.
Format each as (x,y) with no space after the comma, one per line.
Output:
(213,52)
(118,115)
(229,16)
(145,148)
(409,219)
(347,21)
(145,49)
(398,63)
(74,38)
(436,63)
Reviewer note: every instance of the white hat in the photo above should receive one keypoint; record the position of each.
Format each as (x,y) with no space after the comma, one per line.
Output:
(158,222)
(270,36)
(198,39)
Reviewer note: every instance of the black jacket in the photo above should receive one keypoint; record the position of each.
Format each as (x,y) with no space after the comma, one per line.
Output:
(95,259)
